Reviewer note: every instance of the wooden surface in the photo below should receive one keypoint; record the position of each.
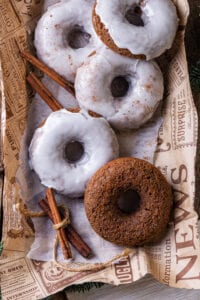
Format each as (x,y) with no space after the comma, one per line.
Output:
(144,289)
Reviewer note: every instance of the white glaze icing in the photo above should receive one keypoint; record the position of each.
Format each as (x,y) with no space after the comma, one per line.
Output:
(48,143)
(92,85)
(51,36)
(160,25)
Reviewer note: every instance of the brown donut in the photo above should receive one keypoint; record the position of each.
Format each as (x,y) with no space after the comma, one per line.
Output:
(149,195)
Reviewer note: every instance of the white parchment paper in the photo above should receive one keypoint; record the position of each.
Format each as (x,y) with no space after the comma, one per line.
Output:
(139,143)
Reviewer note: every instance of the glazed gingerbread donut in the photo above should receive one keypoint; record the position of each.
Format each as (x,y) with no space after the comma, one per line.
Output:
(136,28)
(64,36)
(69,148)
(125,91)
(128,202)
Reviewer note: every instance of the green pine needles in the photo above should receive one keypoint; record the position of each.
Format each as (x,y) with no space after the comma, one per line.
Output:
(84,287)
(1,247)
(195,76)
(80,288)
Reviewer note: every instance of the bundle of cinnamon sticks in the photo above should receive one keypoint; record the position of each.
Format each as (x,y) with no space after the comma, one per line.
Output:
(67,234)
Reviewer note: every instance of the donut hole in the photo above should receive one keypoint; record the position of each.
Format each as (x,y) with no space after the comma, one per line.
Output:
(73,151)
(119,86)
(78,38)
(134,16)
(128,201)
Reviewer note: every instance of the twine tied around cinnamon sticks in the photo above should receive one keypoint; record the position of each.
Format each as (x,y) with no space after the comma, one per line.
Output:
(65,221)
(84,250)
(61,223)
(27,213)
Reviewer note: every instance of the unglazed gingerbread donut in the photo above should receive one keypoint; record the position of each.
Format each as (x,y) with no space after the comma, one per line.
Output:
(136,28)
(128,202)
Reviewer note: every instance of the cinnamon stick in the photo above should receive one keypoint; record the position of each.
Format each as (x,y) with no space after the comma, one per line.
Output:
(44,93)
(50,72)
(77,241)
(74,238)
(64,243)
(48,98)
(45,207)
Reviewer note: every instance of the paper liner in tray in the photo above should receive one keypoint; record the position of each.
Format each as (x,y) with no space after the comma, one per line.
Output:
(176,260)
